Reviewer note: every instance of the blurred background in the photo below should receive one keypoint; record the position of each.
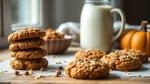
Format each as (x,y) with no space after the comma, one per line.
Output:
(51,13)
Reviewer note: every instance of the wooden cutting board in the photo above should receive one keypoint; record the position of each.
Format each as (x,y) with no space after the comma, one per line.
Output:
(11,78)
(6,77)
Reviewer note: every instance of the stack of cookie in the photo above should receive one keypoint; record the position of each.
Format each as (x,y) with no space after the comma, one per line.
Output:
(26,48)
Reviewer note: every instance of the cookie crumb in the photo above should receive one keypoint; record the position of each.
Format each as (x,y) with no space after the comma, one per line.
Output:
(127,73)
(17,73)
(39,76)
(60,68)
(27,73)
(42,69)
(139,75)
(30,71)
(5,71)
(59,62)
(58,73)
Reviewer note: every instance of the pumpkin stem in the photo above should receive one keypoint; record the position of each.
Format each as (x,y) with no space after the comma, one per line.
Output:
(144,25)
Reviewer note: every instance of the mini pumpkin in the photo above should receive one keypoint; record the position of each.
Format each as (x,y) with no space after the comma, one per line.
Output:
(134,39)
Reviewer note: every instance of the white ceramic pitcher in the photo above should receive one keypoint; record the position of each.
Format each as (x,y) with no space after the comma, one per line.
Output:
(97,25)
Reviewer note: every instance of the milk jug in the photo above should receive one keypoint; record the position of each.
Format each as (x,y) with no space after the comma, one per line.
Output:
(96,28)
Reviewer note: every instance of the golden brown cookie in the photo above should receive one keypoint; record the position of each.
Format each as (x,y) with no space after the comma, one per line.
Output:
(52,34)
(121,61)
(29,53)
(140,54)
(86,68)
(26,44)
(26,33)
(22,64)
(90,53)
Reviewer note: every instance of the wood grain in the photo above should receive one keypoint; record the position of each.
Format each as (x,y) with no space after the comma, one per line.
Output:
(11,78)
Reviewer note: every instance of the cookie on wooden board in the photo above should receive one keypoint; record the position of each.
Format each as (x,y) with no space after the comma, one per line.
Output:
(138,53)
(121,61)
(34,64)
(26,33)
(87,68)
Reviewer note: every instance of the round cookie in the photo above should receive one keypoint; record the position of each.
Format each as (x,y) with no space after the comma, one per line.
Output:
(52,34)
(29,53)
(26,33)
(22,64)
(137,53)
(90,53)
(26,44)
(85,68)
(120,61)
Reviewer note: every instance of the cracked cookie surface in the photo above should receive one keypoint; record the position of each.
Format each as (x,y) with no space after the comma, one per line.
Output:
(138,53)
(118,60)
(86,68)
(90,53)
(26,33)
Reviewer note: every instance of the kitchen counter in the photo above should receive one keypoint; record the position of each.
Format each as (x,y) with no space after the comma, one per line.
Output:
(116,77)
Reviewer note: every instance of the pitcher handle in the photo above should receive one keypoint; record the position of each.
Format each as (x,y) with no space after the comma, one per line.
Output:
(123,21)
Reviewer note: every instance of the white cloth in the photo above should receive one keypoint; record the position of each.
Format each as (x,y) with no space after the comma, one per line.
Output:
(70,28)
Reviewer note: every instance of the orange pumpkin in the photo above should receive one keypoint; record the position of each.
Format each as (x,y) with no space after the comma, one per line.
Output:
(134,39)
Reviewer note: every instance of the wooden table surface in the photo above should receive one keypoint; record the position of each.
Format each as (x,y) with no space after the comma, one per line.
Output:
(11,78)
(8,78)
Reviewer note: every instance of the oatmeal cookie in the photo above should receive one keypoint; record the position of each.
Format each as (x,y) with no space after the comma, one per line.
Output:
(26,33)
(26,44)
(29,53)
(138,53)
(86,68)
(121,61)
(90,53)
(53,35)
(34,64)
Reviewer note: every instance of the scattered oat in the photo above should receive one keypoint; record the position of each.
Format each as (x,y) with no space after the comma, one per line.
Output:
(58,62)
(127,73)
(39,76)
(17,73)
(42,69)
(5,71)
(36,77)
(139,75)
(1,71)
(31,72)
(27,73)
(58,73)
(60,68)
